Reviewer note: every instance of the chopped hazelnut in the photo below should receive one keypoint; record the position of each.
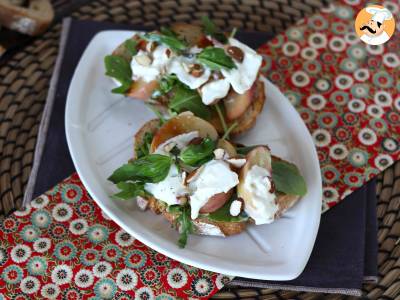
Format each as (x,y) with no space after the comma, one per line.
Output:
(236,53)
(236,162)
(219,153)
(143,60)
(142,203)
(196,70)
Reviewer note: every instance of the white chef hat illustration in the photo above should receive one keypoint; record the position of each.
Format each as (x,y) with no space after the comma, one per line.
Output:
(379,14)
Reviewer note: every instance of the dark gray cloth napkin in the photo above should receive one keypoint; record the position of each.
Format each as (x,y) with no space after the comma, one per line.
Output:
(345,252)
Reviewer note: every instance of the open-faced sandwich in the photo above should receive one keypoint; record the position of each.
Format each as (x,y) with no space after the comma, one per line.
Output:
(203,184)
(191,68)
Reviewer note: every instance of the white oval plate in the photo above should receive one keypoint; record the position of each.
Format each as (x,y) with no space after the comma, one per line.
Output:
(100,128)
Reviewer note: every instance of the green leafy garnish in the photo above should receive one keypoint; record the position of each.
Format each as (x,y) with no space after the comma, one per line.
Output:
(166,84)
(143,149)
(210,28)
(185,99)
(119,68)
(130,45)
(223,214)
(216,59)
(150,168)
(129,190)
(185,226)
(287,178)
(196,155)
(168,38)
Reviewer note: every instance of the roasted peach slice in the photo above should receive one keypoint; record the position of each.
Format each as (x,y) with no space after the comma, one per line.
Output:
(216,202)
(142,90)
(237,104)
(183,123)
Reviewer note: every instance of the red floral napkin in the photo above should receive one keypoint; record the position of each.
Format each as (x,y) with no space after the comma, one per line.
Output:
(62,246)
(347,92)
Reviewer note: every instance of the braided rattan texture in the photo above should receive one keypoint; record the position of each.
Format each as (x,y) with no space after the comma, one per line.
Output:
(25,77)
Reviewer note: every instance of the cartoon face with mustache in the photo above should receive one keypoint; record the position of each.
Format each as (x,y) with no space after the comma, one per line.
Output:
(372,28)
(373,24)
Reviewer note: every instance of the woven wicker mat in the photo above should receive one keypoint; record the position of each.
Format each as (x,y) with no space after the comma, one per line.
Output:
(25,79)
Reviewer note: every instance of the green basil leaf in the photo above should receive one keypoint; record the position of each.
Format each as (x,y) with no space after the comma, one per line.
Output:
(196,155)
(216,59)
(185,99)
(223,214)
(186,226)
(166,84)
(144,148)
(210,28)
(287,178)
(130,46)
(120,69)
(129,190)
(168,38)
(150,168)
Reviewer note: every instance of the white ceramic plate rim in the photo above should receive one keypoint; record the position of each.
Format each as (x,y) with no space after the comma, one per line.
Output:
(87,175)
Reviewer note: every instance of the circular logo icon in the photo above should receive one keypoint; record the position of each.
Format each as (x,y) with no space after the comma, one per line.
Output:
(375,25)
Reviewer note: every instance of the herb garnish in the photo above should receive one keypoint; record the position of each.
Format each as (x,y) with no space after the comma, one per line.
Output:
(185,99)
(168,38)
(131,46)
(185,225)
(150,168)
(210,28)
(119,68)
(144,148)
(197,155)
(215,59)
(129,190)
(287,178)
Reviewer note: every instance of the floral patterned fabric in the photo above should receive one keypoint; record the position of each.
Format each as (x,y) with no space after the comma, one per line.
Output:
(62,246)
(347,93)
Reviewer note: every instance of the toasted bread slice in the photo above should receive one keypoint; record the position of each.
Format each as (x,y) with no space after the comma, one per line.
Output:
(32,20)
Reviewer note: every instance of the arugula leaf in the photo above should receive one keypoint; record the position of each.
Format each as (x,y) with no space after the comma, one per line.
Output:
(210,28)
(216,59)
(185,99)
(196,155)
(119,68)
(223,214)
(167,37)
(143,149)
(130,45)
(287,178)
(166,84)
(129,190)
(150,168)
(185,226)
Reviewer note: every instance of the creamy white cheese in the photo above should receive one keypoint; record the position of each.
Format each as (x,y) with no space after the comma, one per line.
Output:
(180,141)
(152,71)
(180,66)
(213,178)
(261,205)
(169,189)
(243,76)
(214,90)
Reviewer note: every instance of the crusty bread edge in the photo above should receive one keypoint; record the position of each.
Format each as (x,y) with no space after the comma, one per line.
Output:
(27,20)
